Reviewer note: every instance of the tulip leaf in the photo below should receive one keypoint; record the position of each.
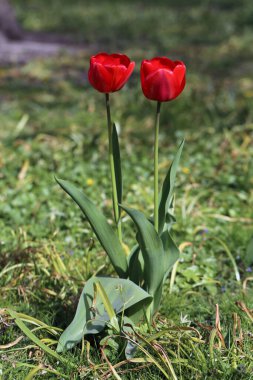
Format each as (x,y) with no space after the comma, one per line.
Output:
(92,314)
(171,253)
(171,256)
(166,194)
(169,220)
(136,265)
(117,163)
(152,250)
(101,228)
(157,298)
(249,252)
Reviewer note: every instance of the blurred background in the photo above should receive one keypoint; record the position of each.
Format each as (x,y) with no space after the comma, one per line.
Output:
(53,122)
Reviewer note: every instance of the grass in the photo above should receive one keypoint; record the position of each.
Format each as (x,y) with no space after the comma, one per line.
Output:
(53,122)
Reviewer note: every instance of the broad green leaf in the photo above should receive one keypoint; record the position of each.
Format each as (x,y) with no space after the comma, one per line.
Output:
(91,314)
(171,253)
(166,193)
(157,298)
(101,228)
(152,250)
(171,256)
(249,252)
(170,220)
(136,265)
(117,163)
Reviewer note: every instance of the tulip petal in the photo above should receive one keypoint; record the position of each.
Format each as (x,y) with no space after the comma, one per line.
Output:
(163,63)
(100,78)
(117,75)
(99,58)
(160,86)
(121,59)
(128,73)
(147,68)
(179,72)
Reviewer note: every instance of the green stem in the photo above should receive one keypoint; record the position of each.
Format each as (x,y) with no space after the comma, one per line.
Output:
(112,168)
(157,122)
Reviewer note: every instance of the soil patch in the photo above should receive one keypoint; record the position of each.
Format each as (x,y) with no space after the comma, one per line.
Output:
(34,46)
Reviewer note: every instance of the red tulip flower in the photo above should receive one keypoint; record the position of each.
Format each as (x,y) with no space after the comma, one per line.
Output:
(162,79)
(109,72)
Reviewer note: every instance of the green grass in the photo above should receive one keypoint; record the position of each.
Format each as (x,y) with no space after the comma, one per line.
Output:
(53,123)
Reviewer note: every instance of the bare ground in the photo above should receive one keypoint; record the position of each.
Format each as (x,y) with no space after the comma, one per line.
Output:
(34,46)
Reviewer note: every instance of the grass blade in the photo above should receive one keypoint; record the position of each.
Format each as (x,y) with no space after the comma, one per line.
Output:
(249,253)
(35,339)
(230,256)
(107,304)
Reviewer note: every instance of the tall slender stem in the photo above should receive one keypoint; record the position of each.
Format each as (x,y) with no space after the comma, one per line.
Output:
(112,169)
(157,122)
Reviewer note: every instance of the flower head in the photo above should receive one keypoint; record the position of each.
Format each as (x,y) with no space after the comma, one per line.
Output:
(109,72)
(162,79)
